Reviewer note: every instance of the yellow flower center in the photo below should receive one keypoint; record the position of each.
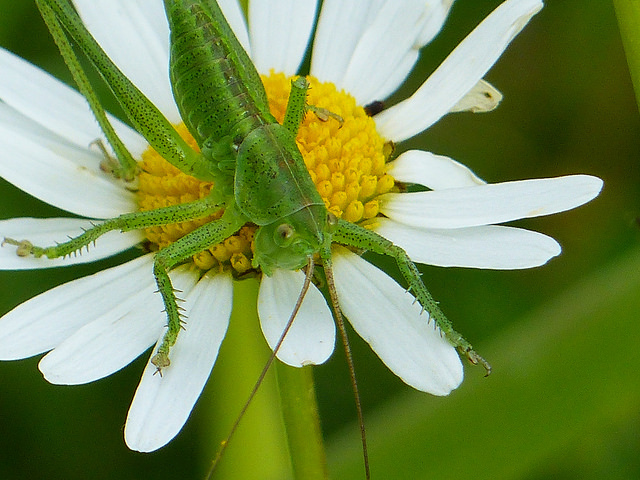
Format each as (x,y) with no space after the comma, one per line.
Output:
(346,161)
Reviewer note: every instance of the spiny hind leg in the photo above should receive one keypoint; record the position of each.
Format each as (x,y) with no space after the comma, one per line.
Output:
(167,258)
(112,166)
(127,222)
(362,238)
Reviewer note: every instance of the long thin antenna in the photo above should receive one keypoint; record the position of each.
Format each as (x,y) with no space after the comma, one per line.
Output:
(328,271)
(263,374)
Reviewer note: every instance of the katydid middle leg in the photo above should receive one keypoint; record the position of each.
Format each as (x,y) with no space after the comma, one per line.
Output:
(297,107)
(126,222)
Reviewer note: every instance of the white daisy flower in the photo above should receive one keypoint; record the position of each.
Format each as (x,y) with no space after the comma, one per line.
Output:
(96,325)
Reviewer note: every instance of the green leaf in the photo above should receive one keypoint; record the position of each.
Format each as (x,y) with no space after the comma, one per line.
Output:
(628,13)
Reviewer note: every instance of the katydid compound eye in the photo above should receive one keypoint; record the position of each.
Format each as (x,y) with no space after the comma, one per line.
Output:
(284,234)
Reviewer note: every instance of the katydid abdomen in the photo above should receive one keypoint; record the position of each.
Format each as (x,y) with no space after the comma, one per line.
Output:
(219,98)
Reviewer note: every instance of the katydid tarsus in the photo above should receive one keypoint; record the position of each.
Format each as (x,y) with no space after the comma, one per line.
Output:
(258,171)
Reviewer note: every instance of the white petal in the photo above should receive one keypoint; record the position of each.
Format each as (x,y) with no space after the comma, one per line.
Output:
(111,341)
(394,78)
(311,338)
(348,37)
(50,103)
(492,203)
(389,319)
(488,247)
(459,73)
(58,172)
(140,48)
(235,18)
(44,321)
(162,404)
(44,232)
(439,10)
(280,33)
(392,38)
(432,171)
(338,32)
(484,97)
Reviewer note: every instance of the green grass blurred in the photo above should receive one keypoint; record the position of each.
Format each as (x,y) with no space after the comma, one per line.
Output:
(564,399)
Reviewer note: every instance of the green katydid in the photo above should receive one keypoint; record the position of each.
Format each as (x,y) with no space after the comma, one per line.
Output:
(258,170)
(259,173)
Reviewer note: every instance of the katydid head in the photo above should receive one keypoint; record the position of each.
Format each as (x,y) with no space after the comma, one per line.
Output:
(290,242)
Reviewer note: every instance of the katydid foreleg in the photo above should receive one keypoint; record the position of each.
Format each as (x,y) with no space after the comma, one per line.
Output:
(194,242)
(355,236)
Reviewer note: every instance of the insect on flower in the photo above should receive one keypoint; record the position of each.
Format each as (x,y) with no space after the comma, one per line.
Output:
(265,203)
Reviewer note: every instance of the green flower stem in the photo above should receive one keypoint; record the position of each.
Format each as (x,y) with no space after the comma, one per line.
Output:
(628,13)
(300,413)
(258,449)
(281,428)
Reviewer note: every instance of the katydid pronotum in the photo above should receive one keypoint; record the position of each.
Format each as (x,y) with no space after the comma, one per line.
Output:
(259,173)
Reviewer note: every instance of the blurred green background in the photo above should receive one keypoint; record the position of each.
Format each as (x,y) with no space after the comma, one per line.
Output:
(564,340)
